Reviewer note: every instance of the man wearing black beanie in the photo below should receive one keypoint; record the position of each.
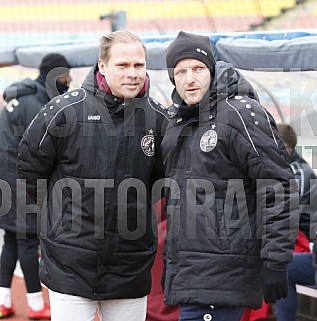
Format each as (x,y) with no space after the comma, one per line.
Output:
(23,100)
(231,226)
(186,46)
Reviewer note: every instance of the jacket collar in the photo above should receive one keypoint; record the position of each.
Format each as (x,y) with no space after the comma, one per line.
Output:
(294,157)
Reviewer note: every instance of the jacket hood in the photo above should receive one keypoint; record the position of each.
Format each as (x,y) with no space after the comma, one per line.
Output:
(229,82)
(90,82)
(19,89)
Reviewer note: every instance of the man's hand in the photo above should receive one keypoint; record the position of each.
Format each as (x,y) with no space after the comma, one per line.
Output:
(275,285)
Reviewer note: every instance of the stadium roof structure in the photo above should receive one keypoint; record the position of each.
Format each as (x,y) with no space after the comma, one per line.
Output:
(271,50)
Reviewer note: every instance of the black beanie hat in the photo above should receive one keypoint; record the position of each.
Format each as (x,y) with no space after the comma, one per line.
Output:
(51,61)
(187,45)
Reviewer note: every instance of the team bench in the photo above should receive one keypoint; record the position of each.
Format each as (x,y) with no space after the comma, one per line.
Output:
(307,302)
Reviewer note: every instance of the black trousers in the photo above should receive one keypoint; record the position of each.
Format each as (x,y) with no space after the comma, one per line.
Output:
(26,251)
(195,312)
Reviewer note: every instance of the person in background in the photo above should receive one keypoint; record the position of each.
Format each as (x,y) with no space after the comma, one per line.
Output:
(23,100)
(302,270)
(98,149)
(156,309)
(306,178)
(228,240)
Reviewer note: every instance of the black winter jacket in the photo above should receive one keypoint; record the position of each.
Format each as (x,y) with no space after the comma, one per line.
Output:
(307,182)
(100,155)
(226,165)
(23,101)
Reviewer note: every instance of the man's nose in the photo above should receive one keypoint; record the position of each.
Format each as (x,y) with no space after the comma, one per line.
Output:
(131,72)
(190,76)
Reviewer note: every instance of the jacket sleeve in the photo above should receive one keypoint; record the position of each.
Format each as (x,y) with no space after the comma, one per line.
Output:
(159,169)
(33,106)
(37,153)
(261,155)
(307,184)
(22,109)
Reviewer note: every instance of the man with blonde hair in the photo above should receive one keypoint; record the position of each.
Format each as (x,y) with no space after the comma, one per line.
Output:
(98,149)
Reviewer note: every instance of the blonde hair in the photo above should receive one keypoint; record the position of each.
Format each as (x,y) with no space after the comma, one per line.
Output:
(121,36)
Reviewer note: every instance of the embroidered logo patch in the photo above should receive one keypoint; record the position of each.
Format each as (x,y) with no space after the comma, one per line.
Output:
(208,141)
(93,117)
(147,144)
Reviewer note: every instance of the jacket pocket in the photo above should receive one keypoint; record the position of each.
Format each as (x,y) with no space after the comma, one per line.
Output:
(203,229)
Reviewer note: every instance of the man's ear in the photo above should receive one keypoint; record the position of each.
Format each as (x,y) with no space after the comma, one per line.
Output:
(102,66)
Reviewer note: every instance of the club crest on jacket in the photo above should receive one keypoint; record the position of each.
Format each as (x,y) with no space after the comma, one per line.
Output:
(208,141)
(147,144)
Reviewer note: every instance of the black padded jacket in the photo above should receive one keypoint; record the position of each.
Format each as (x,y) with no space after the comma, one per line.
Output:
(307,183)
(229,206)
(99,156)
(23,100)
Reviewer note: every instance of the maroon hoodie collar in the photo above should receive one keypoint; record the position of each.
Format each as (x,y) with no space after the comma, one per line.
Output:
(102,84)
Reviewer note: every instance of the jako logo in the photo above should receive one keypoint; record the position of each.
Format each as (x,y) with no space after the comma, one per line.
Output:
(93,117)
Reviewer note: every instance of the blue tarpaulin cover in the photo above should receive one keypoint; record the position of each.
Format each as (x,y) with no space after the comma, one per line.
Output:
(250,50)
